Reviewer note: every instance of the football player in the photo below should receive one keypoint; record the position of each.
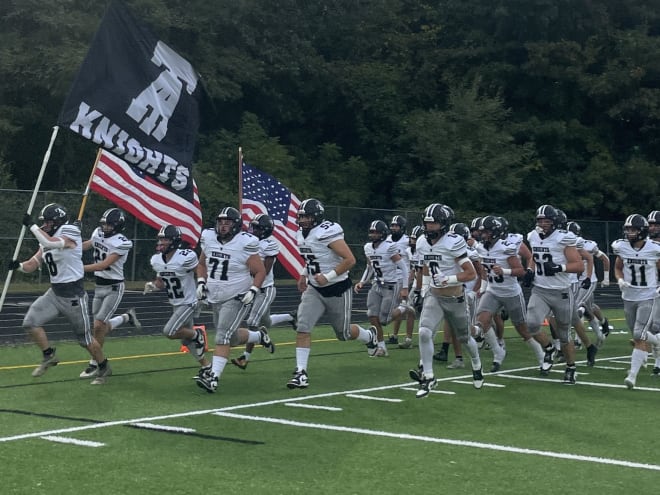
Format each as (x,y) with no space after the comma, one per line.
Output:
(387,271)
(636,270)
(111,250)
(447,266)
(324,284)
(555,256)
(175,273)
(262,227)
(60,248)
(231,275)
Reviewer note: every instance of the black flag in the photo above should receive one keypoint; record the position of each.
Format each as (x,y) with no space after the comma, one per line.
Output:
(138,99)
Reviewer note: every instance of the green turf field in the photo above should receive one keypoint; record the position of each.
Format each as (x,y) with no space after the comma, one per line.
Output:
(357,429)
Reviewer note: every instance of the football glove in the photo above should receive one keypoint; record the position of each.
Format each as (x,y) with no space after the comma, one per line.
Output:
(27,220)
(149,287)
(202,290)
(550,268)
(623,284)
(528,277)
(586,283)
(249,296)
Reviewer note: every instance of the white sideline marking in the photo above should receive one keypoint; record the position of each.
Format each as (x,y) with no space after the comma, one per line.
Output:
(446,392)
(311,406)
(152,426)
(74,441)
(447,441)
(369,397)
(486,384)
(608,367)
(578,382)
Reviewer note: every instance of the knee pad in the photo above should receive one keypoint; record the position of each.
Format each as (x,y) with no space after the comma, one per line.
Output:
(425,335)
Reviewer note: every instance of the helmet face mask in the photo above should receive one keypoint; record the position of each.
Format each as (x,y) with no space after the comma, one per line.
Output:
(169,239)
(53,217)
(262,226)
(491,230)
(635,228)
(398,227)
(228,224)
(378,231)
(112,222)
(546,220)
(474,228)
(437,219)
(310,214)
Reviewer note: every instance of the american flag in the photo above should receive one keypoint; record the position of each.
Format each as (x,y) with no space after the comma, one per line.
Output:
(263,193)
(145,198)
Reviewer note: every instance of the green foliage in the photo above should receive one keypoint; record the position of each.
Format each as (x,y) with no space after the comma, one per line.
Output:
(488,106)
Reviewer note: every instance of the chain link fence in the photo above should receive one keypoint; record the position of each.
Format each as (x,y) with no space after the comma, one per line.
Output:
(355,222)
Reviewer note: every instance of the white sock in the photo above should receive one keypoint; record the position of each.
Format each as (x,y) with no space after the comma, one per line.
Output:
(302,357)
(637,360)
(115,321)
(280,318)
(537,349)
(246,355)
(254,337)
(473,351)
(364,336)
(218,365)
(426,351)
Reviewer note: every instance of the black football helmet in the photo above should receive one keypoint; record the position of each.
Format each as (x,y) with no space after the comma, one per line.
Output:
(491,230)
(112,222)
(227,232)
(52,216)
(635,228)
(378,231)
(400,222)
(437,213)
(474,228)
(417,232)
(450,213)
(654,224)
(460,229)
(546,212)
(262,226)
(562,219)
(310,213)
(574,227)
(505,226)
(169,239)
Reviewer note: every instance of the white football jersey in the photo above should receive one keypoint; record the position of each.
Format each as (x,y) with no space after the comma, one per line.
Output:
(639,269)
(227,272)
(178,275)
(499,254)
(551,249)
(402,245)
(269,247)
(65,264)
(592,248)
(104,246)
(380,259)
(442,255)
(316,253)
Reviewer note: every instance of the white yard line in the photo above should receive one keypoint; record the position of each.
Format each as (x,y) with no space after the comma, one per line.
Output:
(446,441)
(311,406)
(72,441)
(369,397)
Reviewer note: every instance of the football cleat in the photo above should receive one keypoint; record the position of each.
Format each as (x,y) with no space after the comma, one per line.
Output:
(265,340)
(477,379)
(47,362)
(425,386)
(629,381)
(102,375)
(240,361)
(90,371)
(373,342)
(570,374)
(299,380)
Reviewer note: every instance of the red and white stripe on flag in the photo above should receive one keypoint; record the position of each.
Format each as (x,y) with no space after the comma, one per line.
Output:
(146,199)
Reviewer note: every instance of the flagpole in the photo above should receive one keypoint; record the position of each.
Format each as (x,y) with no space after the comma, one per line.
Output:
(29,211)
(89,185)
(240,179)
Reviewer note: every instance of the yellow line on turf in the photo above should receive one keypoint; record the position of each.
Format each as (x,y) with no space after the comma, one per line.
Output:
(138,356)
